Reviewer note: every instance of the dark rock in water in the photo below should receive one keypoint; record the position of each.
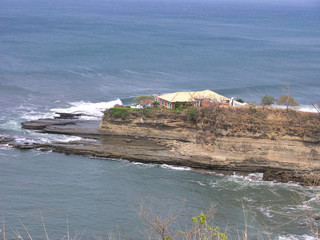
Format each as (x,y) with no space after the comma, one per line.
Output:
(42,123)
(316,218)
(68,115)
(23,146)
(5,140)
(303,177)
(26,146)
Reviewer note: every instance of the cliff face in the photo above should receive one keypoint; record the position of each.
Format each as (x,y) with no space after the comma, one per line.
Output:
(283,145)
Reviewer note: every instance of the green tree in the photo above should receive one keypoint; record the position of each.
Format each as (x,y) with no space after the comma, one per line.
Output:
(156,104)
(142,97)
(267,100)
(144,100)
(287,101)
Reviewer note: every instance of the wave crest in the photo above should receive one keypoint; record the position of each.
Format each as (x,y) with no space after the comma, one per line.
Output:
(88,108)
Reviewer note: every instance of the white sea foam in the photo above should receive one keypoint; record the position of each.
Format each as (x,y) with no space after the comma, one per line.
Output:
(49,138)
(144,164)
(4,147)
(92,110)
(165,166)
(246,199)
(250,177)
(66,139)
(265,211)
(11,125)
(26,140)
(257,181)
(15,125)
(42,152)
(307,108)
(41,138)
(213,184)
(36,115)
(175,167)
(199,182)
(296,237)
(89,117)
(303,108)
(314,199)
(255,176)
(218,174)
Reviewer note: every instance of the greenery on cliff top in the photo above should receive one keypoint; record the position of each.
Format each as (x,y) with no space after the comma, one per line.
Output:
(253,119)
(148,112)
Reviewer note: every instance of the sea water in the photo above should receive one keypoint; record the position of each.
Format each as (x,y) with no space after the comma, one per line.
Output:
(86,56)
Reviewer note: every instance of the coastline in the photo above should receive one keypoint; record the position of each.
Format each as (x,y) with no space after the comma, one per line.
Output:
(169,137)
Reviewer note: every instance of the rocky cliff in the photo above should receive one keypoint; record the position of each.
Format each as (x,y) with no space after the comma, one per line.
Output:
(285,146)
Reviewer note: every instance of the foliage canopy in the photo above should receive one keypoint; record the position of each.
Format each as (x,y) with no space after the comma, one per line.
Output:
(288,101)
(142,97)
(267,100)
(155,104)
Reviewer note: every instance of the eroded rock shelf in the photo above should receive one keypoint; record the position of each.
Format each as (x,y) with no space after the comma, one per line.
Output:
(268,141)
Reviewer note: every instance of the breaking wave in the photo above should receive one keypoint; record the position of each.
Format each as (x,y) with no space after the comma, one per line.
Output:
(307,108)
(91,110)
(302,108)
(47,138)
(30,116)
(296,237)
(12,125)
(165,166)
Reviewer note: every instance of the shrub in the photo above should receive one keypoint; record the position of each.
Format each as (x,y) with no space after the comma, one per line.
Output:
(287,101)
(120,112)
(267,100)
(192,115)
(252,109)
(142,97)
(156,104)
(178,105)
(160,227)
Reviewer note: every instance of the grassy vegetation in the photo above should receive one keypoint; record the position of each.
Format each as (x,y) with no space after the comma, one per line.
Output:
(160,227)
(148,112)
(251,119)
(122,112)
(256,119)
(192,114)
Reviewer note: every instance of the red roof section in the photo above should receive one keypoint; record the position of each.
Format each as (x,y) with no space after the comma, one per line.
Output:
(147,101)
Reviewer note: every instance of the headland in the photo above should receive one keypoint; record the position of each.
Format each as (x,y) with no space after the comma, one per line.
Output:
(283,145)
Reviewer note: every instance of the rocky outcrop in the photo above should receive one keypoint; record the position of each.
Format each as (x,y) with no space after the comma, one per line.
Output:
(283,145)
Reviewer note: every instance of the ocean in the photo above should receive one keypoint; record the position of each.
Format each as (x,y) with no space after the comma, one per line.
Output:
(86,56)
